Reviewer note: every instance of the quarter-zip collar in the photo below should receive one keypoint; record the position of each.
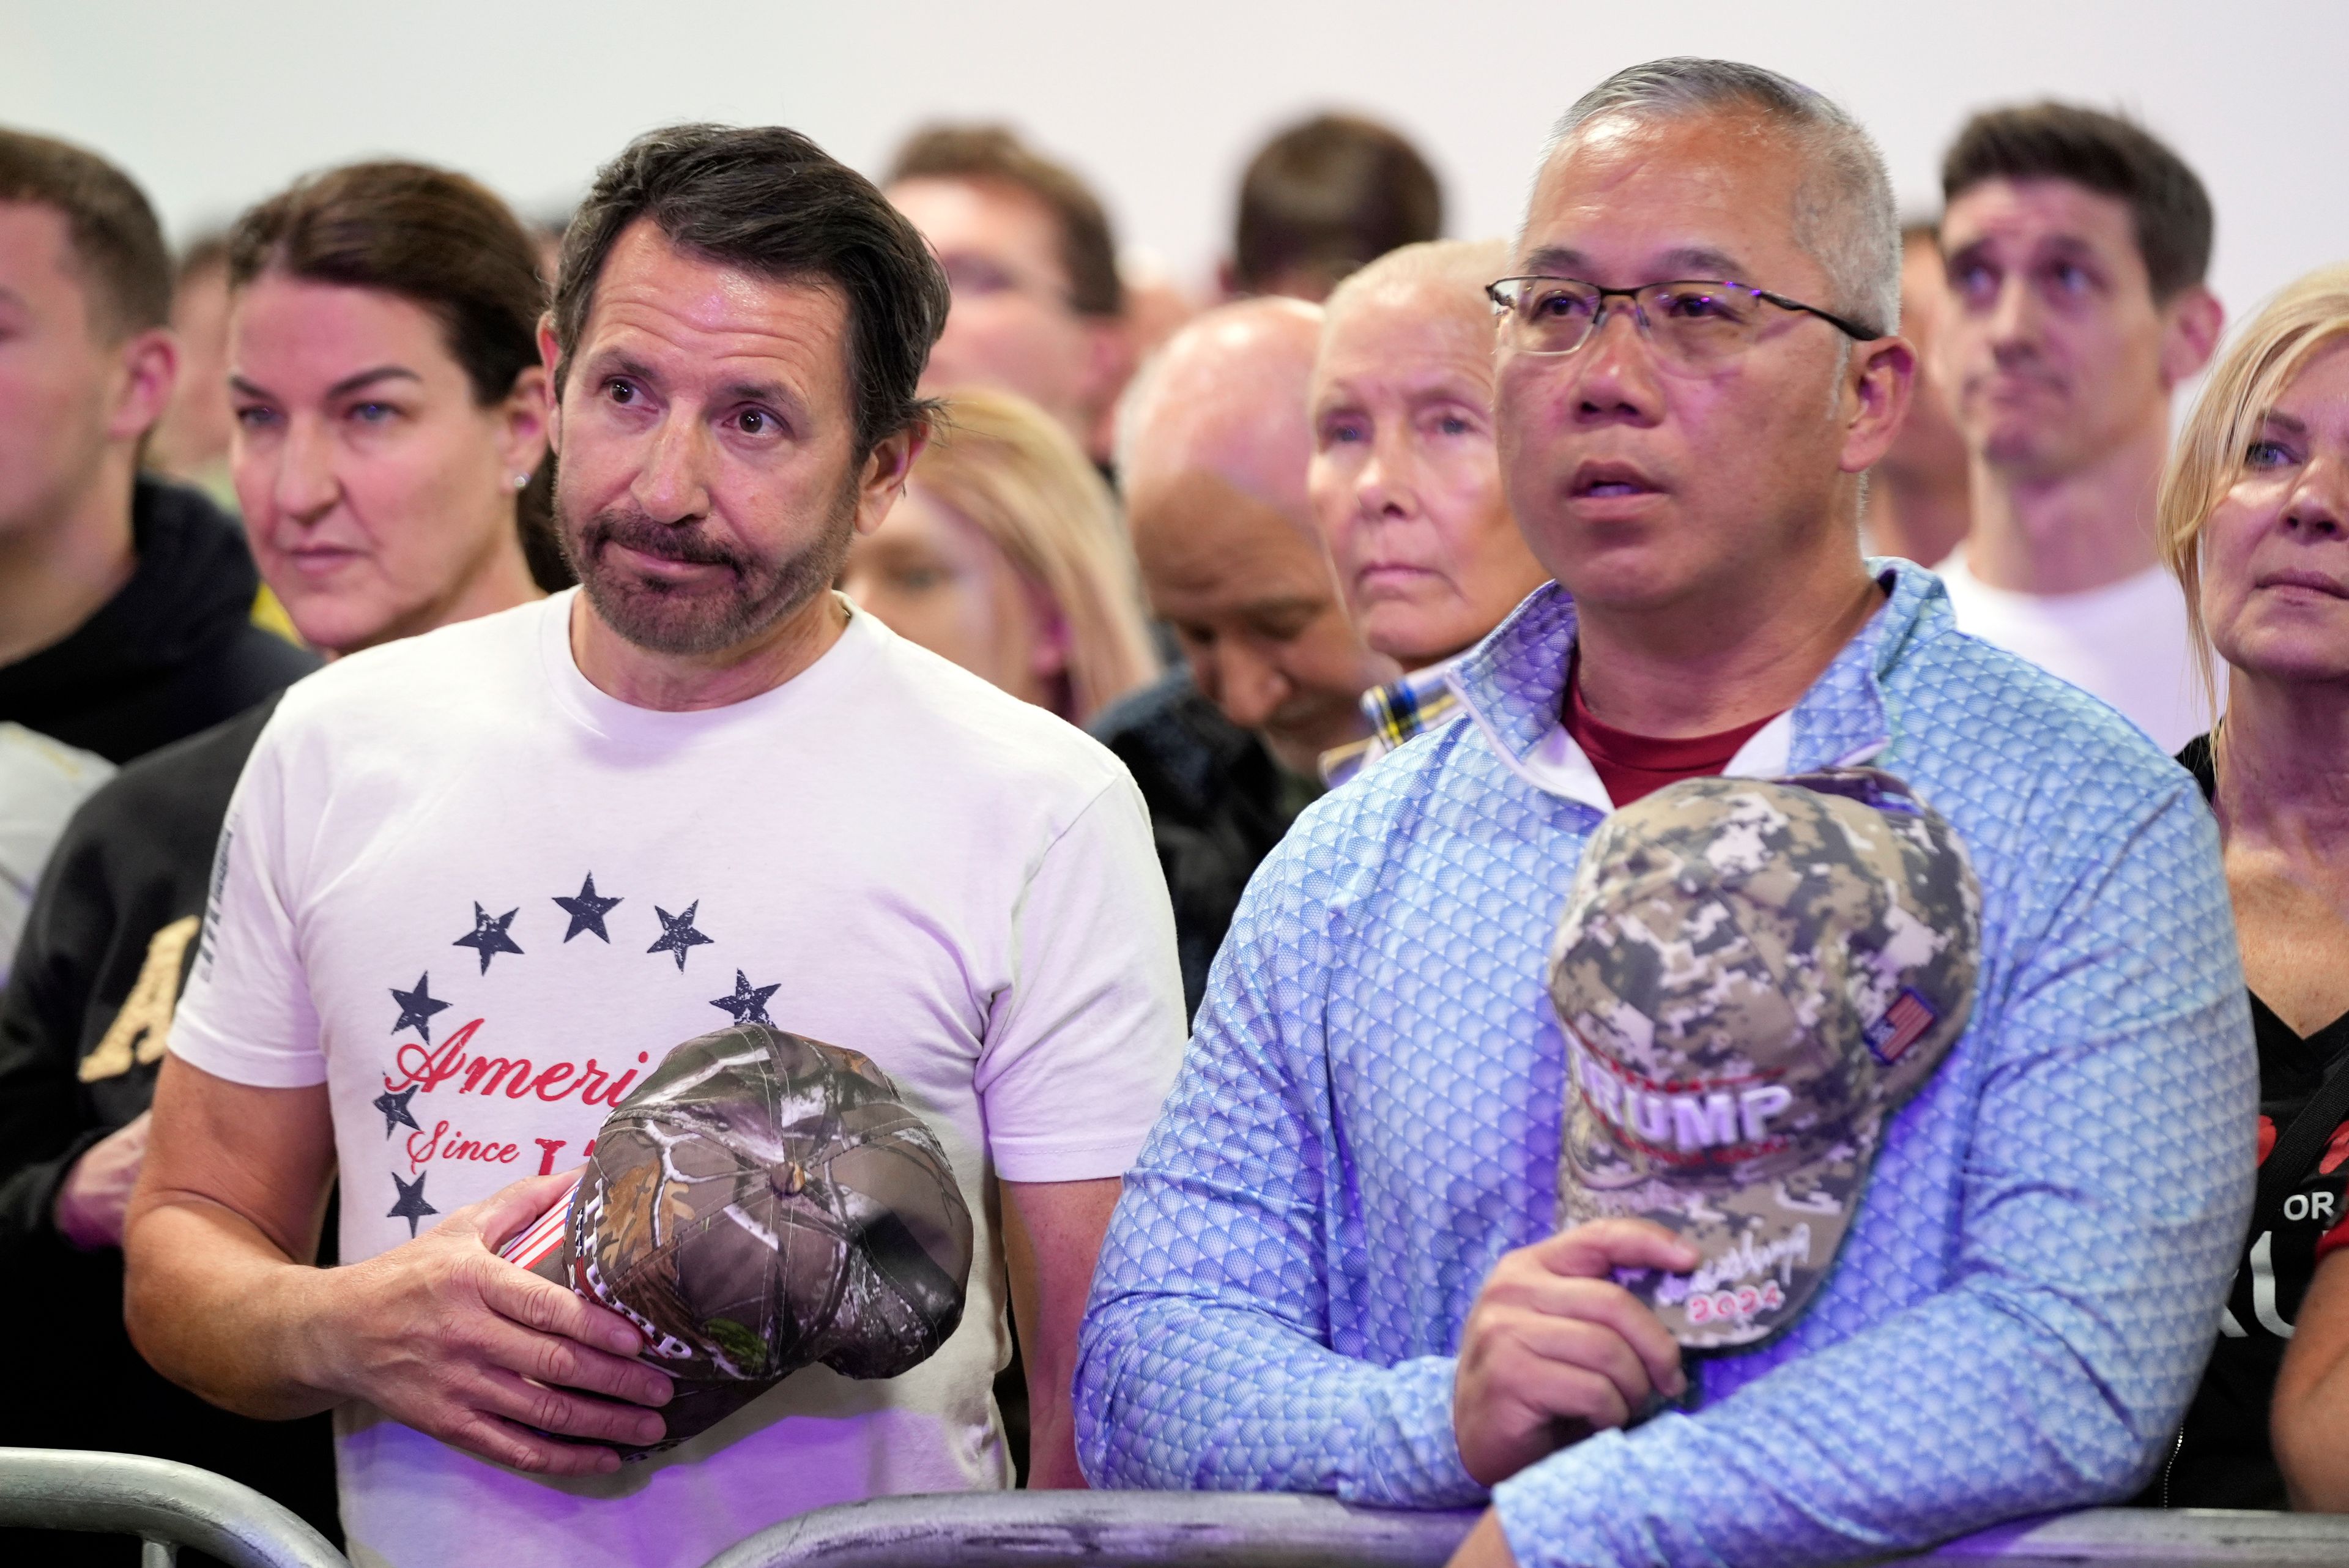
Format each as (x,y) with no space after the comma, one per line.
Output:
(1512,687)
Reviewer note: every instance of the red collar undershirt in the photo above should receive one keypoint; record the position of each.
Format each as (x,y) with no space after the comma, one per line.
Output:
(1631,765)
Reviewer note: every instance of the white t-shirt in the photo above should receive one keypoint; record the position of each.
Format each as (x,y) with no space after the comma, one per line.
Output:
(476,898)
(42,782)
(2125,643)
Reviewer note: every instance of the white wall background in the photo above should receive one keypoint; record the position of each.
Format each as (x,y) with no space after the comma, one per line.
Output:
(214,105)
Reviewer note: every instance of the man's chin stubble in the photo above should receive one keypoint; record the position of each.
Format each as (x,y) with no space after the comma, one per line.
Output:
(690,624)
(681,623)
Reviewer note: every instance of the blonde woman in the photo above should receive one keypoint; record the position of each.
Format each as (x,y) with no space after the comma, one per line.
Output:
(2254,517)
(1007,555)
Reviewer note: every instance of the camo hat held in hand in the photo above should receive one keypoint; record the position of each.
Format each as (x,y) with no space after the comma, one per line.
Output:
(1752,977)
(762,1202)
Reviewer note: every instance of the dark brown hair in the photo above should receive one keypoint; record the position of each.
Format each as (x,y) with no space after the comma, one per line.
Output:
(773,203)
(2169,208)
(117,245)
(445,244)
(995,153)
(201,256)
(1330,195)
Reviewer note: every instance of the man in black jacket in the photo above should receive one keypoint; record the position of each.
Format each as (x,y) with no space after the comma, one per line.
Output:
(125,626)
(125,603)
(114,919)
(1218,802)
(1213,445)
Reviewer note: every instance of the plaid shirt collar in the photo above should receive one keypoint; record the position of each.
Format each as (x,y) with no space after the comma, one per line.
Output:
(1395,712)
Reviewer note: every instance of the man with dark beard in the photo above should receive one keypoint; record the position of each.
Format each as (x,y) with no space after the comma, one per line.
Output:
(705,748)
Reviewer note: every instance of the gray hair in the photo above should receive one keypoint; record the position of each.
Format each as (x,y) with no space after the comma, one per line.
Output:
(1844,213)
(1468,264)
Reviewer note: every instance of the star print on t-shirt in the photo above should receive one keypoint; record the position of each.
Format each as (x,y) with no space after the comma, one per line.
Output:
(677,934)
(587,910)
(393,1104)
(412,1206)
(347,875)
(748,1002)
(418,1006)
(488,935)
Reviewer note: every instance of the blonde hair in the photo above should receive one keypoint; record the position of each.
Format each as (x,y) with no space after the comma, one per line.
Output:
(2261,361)
(1015,473)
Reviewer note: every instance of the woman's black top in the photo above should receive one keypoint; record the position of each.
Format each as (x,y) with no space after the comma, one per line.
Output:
(2220,1458)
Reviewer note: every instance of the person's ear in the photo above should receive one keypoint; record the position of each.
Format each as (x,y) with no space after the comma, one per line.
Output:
(550,362)
(1109,365)
(1878,385)
(1049,648)
(526,415)
(886,472)
(148,363)
(2192,326)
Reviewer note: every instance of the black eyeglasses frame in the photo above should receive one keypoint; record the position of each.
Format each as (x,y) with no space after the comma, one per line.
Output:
(1501,303)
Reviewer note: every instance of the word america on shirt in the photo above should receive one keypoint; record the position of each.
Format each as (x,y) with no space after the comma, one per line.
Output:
(459,1062)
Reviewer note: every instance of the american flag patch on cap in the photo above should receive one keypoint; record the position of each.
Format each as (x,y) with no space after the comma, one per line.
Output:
(545,1235)
(1902,1023)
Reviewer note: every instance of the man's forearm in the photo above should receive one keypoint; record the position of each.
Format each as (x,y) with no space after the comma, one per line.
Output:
(1961,1412)
(1177,1394)
(1051,1437)
(1052,1240)
(220,1309)
(45,1124)
(29,1196)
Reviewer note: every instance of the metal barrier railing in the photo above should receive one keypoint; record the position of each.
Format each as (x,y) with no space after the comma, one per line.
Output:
(170,1505)
(1104,1530)
(165,1504)
(1205,1530)
(2156,1538)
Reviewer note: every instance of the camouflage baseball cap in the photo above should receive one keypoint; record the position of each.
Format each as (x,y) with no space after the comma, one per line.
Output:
(1752,977)
(760,1203)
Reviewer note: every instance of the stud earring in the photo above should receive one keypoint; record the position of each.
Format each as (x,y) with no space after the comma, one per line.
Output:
(522,481)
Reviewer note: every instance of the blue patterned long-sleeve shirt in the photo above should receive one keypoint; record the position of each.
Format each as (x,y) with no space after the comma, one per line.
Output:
(1369,1115)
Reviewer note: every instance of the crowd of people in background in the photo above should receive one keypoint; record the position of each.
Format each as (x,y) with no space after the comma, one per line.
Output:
(1010,666)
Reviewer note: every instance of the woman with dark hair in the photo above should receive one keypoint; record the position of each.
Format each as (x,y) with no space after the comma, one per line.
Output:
(391,408)
(391,457)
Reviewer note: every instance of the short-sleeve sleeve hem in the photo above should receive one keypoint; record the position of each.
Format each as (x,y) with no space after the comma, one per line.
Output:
(199,1047)
(1067,1160)
(246,1014)
(1075,1070)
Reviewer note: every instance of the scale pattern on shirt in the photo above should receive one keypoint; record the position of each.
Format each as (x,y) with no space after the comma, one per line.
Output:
(1369,1113)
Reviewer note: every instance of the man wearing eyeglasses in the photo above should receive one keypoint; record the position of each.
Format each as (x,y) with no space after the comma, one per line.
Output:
(1039,309)
(1335,1268)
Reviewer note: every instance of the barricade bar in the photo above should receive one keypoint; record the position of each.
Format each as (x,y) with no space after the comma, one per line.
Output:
(2157,1538)
(170,1504)
(165,1503)
(1104,1530)
(1208,1530)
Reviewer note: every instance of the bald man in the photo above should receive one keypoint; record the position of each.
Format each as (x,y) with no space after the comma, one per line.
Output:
(1406,482)
(1214,452)
(1213,448)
